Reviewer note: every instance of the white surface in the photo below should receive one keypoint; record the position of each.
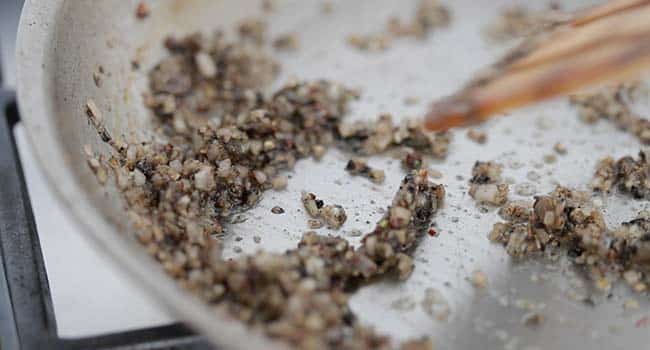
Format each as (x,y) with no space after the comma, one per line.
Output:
(90,295)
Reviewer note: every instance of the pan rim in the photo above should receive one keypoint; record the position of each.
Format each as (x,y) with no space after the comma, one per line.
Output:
(34,45)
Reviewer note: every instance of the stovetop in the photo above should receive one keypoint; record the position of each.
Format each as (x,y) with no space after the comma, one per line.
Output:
(56,291)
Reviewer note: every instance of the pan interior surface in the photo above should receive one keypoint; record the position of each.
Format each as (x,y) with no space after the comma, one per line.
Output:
(82,36)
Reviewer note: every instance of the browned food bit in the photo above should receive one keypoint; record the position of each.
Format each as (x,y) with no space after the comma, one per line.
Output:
(532,319)
(486,185)
(613,103)
(520,22)
(563,217)
(516,211)
(277,210)
(560,148)
(279,182)
(287,42)
(96,119)
(371,138)
(370,42)
(486,173)
(477,136)
(358,167)
(97,76)
(605,176)
(631,241)
(333,215)
(567,219)
(318,152)
(412,160)
(142,11)
(314,224)
(97,167)
(428,16)
(205,65)
(479,279)
(312,204)
(631,176)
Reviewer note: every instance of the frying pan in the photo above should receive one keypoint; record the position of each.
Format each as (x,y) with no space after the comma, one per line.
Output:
(62,43)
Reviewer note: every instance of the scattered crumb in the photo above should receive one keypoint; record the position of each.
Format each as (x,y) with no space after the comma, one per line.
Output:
(477,136)
(532,319)
(333,215)
(97,76)
(358,167)
(517,211)
(370,138)
(277,210)
(519,22)
(412,160)
(429,16)
(370,42)
(613,103)
(287,42)
(479,279)
(318,152)
(355,233)
(315,224)
(560,148)
(279,182)
(142,11)
(631,176)
(97,167)
(486,185)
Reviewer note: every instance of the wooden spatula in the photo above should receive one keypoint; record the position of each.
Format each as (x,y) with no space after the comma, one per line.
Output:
(605,43)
